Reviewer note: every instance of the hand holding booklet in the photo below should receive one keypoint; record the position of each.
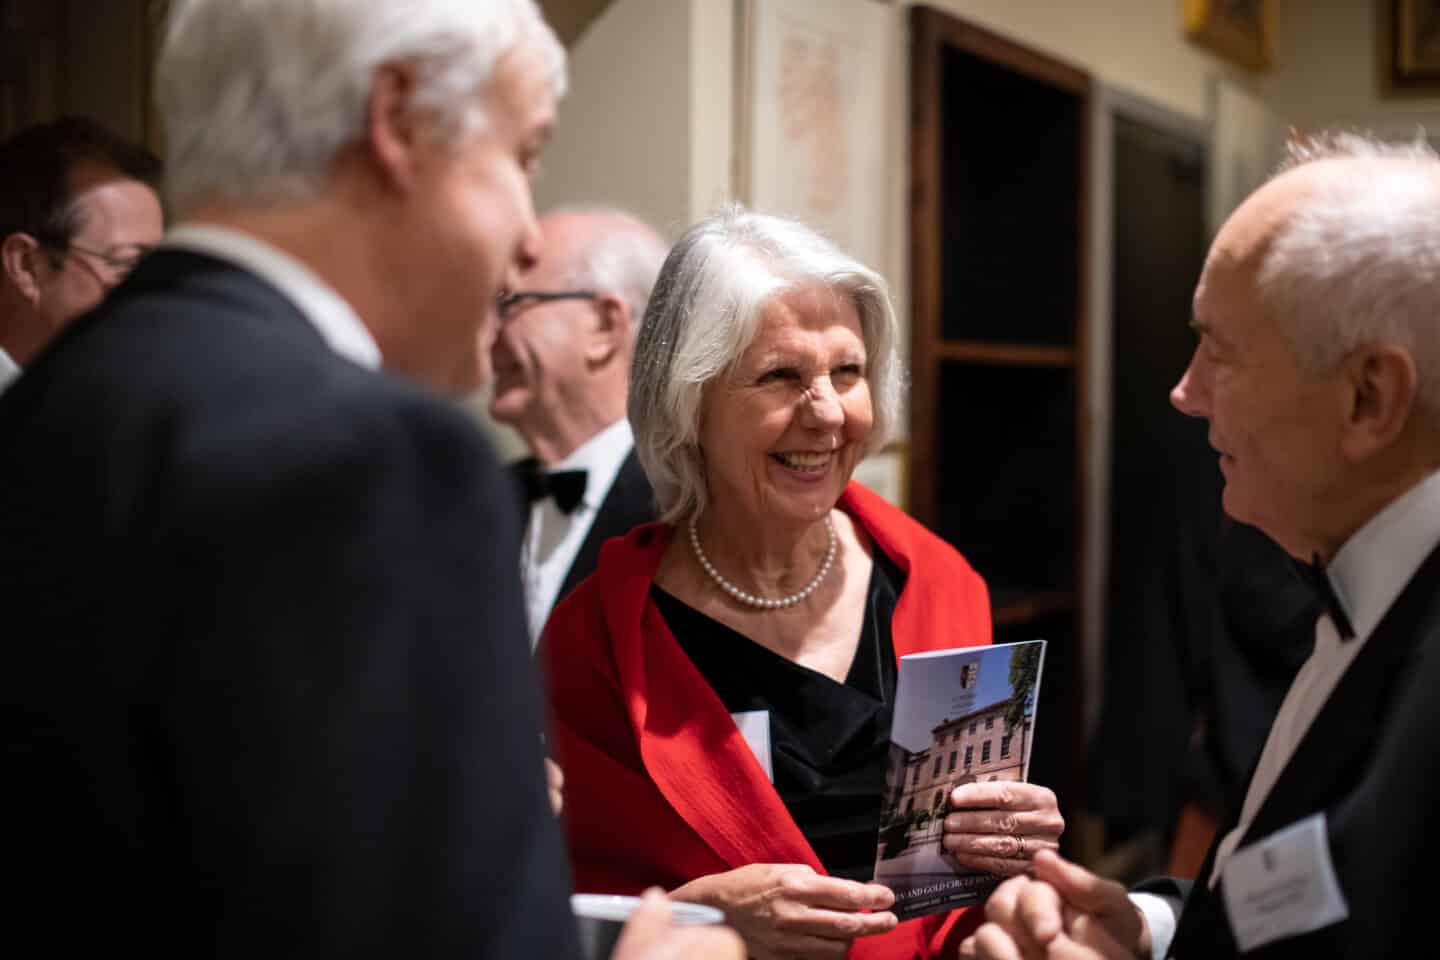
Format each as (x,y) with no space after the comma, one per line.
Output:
(962,716)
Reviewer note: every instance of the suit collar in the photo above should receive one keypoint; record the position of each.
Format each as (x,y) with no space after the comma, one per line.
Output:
(1373,566)
(318,302)
(1347,726)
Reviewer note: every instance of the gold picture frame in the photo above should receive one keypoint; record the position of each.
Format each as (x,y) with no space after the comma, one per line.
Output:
(1241,31)
(1409,40)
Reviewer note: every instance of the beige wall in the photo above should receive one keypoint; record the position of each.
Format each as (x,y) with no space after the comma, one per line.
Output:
(646,124)
(1326,72)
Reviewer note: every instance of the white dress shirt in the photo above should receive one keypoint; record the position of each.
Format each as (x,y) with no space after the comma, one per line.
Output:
(1368,574)
(552,537)
(9,369)
(327,311)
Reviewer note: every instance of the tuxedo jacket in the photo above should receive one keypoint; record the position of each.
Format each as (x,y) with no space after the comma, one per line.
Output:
(629,503)
(660,786)
(266,688)
(1370,763)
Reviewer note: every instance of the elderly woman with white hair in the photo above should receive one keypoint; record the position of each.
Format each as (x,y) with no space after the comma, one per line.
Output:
(773,597)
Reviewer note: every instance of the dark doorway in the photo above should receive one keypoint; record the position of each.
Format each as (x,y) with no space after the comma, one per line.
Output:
(1162,481)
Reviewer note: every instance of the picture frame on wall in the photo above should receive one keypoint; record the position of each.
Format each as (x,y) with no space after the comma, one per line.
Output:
(812,78)
(1240,31)
(1408,32)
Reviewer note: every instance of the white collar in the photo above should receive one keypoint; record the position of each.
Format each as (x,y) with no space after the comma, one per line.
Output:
(601,457)
(326,310)
(1373,566)
(9,369)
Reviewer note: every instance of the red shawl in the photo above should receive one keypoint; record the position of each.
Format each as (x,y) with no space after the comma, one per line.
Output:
(660,788)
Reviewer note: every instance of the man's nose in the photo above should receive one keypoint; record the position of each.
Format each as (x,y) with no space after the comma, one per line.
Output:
(1187,395)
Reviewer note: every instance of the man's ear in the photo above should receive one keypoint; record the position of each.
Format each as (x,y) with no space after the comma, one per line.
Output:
(20,256)
(393,132)
(610,331)
(1383,384)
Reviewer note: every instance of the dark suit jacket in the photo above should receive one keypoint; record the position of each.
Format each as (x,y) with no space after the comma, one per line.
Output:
(629,503)
(266,688)
(1371,763)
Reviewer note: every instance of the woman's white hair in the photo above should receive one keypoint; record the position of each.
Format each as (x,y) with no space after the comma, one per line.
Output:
(705,311)
(1360,261)
(259,96)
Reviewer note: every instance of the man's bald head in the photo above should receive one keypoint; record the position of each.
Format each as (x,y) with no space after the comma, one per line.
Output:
(562,356)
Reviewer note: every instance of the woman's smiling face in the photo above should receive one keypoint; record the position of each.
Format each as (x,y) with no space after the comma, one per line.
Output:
(781,434)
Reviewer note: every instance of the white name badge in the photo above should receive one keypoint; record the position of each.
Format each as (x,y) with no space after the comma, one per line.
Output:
(1283,885)
(754,726)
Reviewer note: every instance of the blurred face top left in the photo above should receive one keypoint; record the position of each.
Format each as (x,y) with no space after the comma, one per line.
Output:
(117,220)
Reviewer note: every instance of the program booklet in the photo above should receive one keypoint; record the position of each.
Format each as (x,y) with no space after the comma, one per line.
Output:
(961,716)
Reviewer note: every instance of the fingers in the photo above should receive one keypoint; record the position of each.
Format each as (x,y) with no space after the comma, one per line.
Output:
(1029,912)
(555,784)
(833,925)
(1087,932)
(834,893)
(1080,887)
(1000,821)
(1015,847)
(647,924)
(1003,795)
(649,936)
(696,943)
(1048,825)
(1091,944)
(829,908)
(991,942)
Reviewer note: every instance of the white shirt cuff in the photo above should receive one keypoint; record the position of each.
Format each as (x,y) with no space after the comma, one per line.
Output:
(1160,914)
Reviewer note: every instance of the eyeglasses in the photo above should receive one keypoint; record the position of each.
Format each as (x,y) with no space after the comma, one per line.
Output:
(511,301)
(118,261)
(121,259)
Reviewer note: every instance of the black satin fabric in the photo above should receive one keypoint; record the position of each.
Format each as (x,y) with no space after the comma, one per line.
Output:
(829,741)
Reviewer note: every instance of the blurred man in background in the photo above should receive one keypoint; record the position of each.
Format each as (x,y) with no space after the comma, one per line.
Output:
(562,371)
(78,208)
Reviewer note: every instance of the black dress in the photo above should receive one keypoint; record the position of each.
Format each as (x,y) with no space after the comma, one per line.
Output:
(829,741)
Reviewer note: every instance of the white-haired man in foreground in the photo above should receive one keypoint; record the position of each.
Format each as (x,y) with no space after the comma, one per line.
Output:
(1318,371)
(267,690)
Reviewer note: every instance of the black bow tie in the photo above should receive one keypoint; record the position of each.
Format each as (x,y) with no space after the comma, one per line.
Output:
(567,487)
(1315,575)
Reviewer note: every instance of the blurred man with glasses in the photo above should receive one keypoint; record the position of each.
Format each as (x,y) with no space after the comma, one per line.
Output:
(78,208)
(561,363)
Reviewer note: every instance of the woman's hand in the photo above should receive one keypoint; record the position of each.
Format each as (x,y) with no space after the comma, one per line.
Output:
(788,910)
(998,826)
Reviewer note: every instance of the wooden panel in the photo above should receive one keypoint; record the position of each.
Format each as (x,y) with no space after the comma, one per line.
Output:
(925,256)
(1007,354)
(1035,607)
(991,46)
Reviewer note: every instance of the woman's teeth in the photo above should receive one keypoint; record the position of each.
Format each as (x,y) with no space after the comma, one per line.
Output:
(808,462)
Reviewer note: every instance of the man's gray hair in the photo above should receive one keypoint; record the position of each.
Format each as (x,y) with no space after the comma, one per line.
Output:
(1359,261)
(623,258)
(258,97)
(705,311)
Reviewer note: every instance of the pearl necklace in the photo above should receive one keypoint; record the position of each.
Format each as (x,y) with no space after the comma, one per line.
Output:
(765,603)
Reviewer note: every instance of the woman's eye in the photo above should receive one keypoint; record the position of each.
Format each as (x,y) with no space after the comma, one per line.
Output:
(849,370)
(778,375)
